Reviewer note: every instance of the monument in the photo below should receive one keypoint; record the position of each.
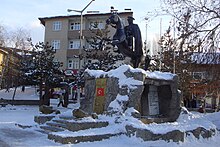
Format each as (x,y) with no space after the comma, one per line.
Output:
(127,38)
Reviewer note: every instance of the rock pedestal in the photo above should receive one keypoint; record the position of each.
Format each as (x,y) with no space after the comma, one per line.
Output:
(153,94)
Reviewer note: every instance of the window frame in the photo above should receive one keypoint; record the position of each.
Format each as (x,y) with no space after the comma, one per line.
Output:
(55,44)
(57,25)
(74,44)
(75,26)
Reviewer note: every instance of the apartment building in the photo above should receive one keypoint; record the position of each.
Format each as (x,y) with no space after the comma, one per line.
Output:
(9,67)
(63,33)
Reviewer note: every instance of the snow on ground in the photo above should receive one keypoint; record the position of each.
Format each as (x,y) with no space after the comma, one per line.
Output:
(29,94)
(13,136)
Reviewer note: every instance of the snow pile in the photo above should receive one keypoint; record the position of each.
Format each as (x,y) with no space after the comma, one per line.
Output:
(214,118)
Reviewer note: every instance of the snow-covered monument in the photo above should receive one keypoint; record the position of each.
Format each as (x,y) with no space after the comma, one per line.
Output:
(125,101)
(153,96)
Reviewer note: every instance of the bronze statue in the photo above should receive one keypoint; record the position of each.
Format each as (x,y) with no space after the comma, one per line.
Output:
(125,37)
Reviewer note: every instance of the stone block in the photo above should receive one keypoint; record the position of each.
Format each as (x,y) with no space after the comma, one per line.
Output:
(78,139)
(43,118)
(46,109)
(147,135)
(201,132)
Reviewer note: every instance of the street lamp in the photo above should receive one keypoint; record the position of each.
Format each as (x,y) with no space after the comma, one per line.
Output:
(80,37)
(81,23)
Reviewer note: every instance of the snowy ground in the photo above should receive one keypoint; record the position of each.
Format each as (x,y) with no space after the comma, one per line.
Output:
(13,136)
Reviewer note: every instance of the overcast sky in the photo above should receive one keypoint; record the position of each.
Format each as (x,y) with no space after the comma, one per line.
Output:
(25,13)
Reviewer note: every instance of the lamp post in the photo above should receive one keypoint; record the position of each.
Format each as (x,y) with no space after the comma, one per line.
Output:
(80,37)
(81,23)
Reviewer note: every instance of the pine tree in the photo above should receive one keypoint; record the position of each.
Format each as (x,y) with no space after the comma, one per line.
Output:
(44,71)
(101,56)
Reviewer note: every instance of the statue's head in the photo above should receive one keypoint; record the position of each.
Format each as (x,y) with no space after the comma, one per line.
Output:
(130,19)
(113,19)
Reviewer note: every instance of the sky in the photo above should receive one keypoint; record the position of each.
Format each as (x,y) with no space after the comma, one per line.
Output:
(25,13)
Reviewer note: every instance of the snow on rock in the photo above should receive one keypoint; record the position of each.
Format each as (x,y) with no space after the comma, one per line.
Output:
(160,75)
(117,104)
(130,111)
(119,73)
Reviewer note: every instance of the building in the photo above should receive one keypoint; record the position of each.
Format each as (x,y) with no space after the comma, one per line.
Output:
(9,67)
(205,85)
(63,33)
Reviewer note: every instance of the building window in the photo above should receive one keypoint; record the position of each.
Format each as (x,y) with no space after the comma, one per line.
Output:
(55,44)
(70,64)
(74,44)
(76,63)
(75,26)
(57,25)
(97,25)
(73,63)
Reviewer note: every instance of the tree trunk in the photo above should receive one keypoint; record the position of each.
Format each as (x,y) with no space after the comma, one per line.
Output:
(66,96)
(46,95)
(13,97)
(40,93)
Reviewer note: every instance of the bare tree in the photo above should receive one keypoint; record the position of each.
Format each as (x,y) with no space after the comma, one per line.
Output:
(195,40)
(198,23)
(20,38)
(3,36)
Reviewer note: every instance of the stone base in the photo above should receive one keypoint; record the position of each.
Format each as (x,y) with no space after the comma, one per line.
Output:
(175,135)
(78,139)
(147,120)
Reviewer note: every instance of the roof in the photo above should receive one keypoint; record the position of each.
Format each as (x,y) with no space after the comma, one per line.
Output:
(206,58)
(3,51)
(8,50)
(43,19)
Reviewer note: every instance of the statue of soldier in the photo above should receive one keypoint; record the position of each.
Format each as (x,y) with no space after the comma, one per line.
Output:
(134,40)
(127,39)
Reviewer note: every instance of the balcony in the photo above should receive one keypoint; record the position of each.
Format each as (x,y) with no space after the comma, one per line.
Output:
(72,52)
(74,34)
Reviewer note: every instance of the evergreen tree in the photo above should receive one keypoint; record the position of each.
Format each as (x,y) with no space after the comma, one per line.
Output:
(44,71)
(102,55)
